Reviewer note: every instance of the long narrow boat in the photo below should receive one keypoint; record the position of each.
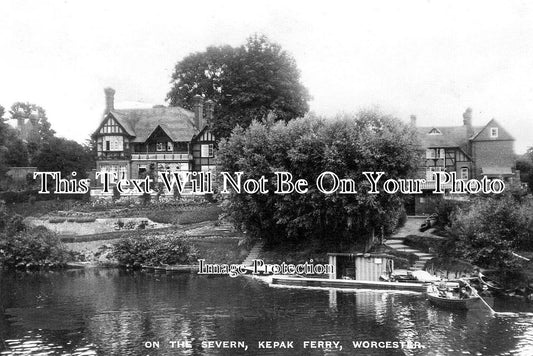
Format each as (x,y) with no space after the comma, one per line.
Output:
(453,301)
(456,303)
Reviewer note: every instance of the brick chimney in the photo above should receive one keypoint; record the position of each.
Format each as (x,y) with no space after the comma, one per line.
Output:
(198,108)
(209,110)
(467,121)
(109,99)
(413,120)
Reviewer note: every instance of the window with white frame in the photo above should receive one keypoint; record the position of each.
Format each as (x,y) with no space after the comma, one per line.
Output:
(120,171)
(159,146)
(464,173)
(114,143)
(141,170)
(122,174)
(170,146)
(493,132)
(435,153)
(207,150)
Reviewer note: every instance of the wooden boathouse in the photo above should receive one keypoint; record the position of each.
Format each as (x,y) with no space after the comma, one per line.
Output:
(360,266)
(354,271)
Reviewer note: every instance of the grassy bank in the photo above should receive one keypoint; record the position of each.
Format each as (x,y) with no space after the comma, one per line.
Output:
(214,249)
(173,212)
(182,216)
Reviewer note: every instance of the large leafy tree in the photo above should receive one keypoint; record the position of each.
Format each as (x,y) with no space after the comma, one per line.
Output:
(65,156)
(246,83)
(39,132)
(40,147)
(13,152)
(307,147)
(489,230)
(3,143)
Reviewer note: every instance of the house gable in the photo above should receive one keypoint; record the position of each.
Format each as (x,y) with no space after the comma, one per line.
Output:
(493,131)
(159,134)
(111,125)
(204,136)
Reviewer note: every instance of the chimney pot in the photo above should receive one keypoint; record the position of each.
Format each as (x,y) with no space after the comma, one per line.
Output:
(209,110)
(109,99)
(198,106)
(467,117)
(467,121)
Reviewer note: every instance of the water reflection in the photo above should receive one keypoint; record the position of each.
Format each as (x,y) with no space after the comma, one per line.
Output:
(112,312)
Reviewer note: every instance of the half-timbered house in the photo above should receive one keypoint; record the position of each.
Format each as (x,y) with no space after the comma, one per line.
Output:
(133,142)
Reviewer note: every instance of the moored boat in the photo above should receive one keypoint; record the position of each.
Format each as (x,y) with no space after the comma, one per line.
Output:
(457,296)
(456,303)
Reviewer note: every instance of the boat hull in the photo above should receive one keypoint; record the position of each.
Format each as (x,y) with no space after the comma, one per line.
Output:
(347,284)
(459,304)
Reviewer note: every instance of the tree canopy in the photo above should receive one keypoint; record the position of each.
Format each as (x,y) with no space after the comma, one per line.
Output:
(246,83)
(307,147)
(39,147)
(41,131)
(524,164)
(488,230)
(65,156)
(13,152)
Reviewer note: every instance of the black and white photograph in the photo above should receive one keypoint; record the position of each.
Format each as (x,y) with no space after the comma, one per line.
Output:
(266,177)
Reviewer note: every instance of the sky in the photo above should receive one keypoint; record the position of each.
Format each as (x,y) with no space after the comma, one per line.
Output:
(432,59)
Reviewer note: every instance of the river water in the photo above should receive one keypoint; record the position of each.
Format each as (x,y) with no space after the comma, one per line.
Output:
(114,312)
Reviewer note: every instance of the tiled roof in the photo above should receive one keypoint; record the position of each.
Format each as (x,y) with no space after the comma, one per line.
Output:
(450,136)
(177,122)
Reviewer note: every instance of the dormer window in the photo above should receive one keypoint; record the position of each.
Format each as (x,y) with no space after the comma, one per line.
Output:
(434,131)
(493,132)
(159,147)
(170,146)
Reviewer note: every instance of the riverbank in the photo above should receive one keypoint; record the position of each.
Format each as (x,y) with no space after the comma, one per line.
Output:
(212,241)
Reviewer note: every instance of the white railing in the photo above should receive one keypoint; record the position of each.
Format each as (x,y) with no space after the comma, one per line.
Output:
(161,156)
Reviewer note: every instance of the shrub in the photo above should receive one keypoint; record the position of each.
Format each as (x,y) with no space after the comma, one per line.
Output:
(15,224)
(445,210)
(33,248)
(146,198)
(153,251)
(116,193)
(176,194)
(489,230)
